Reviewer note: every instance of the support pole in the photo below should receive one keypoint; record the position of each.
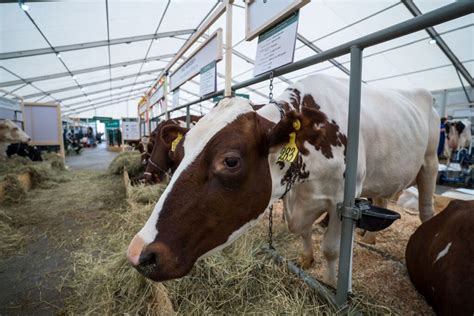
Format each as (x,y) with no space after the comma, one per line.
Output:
(188,116)
(228,50)
(344,282)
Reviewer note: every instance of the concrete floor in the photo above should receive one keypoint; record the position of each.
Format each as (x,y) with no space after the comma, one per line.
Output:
(96,159)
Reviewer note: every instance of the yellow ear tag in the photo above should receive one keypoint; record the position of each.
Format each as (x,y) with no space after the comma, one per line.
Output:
(290,151)
(176,141)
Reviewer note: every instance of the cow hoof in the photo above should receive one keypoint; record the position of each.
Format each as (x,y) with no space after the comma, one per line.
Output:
(369,238)
(305,262)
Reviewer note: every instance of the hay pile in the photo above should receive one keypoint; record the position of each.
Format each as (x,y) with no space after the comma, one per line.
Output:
(13,190)
(55,160)
(43,174)
(145,194)
(131,161)
(237,280)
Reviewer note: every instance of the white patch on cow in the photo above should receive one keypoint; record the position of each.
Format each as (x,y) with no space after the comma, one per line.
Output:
(196,139)
(443,252)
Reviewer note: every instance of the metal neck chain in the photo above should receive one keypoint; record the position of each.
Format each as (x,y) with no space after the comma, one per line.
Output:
(158,167)
(270,97)
(270,228)
(270,93)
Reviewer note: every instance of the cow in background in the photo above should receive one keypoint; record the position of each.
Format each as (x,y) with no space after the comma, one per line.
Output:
(24,150)
(440,259)
(458,136)
(166,149)
(11,133)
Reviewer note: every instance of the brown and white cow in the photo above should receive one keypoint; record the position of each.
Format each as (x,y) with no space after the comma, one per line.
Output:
(440,259)
(230,175)
(11,133)
(163,156)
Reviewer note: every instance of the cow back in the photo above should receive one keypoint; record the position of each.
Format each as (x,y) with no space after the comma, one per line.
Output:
(440,259)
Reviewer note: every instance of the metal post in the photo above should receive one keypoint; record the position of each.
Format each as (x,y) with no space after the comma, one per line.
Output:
(347,231)
(443,103)
(188,116)
(228,50)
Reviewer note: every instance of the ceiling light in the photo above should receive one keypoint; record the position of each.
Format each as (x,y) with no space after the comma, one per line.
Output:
(58,55)
(82,89)
(432,42)
(74,77)
(24,7)
(146,64)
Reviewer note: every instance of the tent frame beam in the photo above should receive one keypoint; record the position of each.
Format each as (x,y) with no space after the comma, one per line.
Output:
(73,47)
(84,70)
(34,95)
(415,11)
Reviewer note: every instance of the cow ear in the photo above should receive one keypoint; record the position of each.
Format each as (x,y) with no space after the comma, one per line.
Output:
(171,133)
(304,125)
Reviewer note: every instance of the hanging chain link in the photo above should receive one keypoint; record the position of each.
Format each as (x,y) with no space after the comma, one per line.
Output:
(270,94)
(270,228)
(270,214)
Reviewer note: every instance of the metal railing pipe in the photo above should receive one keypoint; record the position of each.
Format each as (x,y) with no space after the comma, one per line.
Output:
(438,16)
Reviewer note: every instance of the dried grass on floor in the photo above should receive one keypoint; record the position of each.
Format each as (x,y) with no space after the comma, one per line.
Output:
(11,238)
(56,161)
(145,194)
(13,190)
(237,280)
(131,161)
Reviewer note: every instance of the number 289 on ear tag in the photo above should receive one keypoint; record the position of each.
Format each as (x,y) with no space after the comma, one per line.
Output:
(289,152)
(176,141)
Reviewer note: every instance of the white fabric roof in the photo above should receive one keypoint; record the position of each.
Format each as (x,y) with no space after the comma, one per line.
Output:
(419,64)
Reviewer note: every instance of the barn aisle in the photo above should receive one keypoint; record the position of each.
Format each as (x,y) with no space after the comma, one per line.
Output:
(44,231)
(96,159)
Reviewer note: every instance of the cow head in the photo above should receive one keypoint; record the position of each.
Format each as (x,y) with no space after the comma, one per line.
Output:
(166,151)
(11,133)
(221,187)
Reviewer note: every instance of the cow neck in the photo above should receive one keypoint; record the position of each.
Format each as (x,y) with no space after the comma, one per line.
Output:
(274,112)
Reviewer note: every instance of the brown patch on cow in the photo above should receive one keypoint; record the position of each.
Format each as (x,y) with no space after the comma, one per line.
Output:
(308,101)
(209,201)
(295,98)
(326,134)
(285,106)
(446,281)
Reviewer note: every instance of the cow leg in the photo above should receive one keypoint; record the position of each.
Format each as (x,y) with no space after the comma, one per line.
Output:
(371,237)
(426,182)
(299,220)
(330,245)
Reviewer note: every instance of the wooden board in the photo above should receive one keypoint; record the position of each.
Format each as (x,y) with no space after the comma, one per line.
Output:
(126,181)
(115,149)
(43,124)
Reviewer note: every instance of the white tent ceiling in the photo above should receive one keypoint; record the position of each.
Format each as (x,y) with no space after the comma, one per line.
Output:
(410,61)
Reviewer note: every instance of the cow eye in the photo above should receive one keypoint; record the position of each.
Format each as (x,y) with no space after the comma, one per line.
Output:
(231,162)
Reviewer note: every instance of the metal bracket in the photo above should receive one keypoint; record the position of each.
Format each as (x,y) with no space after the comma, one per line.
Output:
(349,212)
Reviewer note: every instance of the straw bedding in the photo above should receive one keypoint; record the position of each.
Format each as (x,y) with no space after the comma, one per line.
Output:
(131,161)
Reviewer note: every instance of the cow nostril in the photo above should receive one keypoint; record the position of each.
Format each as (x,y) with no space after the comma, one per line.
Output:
(147,258)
